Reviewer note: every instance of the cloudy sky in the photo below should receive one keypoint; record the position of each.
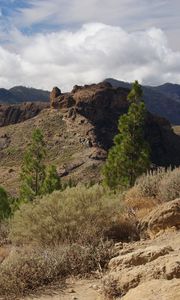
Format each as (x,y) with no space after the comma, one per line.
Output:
(44,43)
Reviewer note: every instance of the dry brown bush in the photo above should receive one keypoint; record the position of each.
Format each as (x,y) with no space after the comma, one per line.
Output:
(169,186)
(138,204)
(148,184)
(26,270)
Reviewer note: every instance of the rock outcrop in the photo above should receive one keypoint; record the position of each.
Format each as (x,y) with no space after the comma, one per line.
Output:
(140,264)
(147,263)
(12,114)
(164,217)
(101,105)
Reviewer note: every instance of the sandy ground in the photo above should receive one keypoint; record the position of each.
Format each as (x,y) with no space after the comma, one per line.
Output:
(77,289)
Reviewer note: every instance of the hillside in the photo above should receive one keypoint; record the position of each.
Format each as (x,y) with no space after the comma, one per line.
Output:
(78,134)
(162,100)
(19,94)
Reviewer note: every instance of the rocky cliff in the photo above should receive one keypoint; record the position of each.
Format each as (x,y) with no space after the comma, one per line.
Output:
(12,114)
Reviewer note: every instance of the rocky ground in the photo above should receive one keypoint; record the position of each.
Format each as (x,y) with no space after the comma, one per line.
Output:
(147,269)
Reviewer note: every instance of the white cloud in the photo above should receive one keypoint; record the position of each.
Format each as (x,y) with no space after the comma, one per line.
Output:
(89,54)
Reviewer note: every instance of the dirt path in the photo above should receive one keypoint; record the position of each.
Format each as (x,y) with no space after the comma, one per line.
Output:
(78,289)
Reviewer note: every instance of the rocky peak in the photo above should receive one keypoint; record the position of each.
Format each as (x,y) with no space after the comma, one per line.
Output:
(56,92)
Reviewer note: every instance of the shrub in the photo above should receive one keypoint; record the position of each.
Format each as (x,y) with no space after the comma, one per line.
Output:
(169,186)
(148,184)
(77,214)
(161,184)
(26,270)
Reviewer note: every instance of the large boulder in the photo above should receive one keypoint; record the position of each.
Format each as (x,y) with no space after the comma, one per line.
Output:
(161,218)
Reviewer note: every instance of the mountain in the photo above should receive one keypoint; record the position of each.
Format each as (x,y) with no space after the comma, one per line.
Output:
(19,94)
(170,90)
(162,100)
(79,129)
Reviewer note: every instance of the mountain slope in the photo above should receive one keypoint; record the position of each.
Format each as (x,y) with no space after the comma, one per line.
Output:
(161,100)
(79,136)
(19,94)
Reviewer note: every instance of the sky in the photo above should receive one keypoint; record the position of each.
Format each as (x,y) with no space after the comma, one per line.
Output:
(46,43)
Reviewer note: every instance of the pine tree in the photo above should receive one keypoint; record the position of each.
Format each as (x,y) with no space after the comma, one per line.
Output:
(129,157)
(52,181)
(33,168)
(135,95)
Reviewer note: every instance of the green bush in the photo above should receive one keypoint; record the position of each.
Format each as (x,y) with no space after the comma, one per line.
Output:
(77,214)
(26,270)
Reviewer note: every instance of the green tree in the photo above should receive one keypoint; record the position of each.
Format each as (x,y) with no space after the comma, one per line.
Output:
(136,93)
(5,205)
(33,168)
(129,157)
(52,181)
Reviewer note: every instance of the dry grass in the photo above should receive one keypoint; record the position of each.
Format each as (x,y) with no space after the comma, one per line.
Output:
(139,205)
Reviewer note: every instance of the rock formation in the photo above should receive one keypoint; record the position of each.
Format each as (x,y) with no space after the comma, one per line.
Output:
(101,105)
(164,217)
(56,92)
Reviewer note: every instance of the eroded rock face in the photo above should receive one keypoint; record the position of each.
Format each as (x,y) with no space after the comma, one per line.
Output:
(12,114)
(165,216)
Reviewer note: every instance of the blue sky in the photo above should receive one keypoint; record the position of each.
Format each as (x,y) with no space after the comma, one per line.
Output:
(64,42)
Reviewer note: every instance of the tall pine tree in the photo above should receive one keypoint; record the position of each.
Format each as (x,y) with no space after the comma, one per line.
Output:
(129,157)
(33,168)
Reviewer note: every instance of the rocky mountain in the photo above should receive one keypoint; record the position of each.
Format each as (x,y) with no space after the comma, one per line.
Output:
(79,129)
(162,100)
(19,94)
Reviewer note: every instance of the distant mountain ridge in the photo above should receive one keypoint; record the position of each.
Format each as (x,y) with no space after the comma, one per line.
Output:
(19,94)
(163,100)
